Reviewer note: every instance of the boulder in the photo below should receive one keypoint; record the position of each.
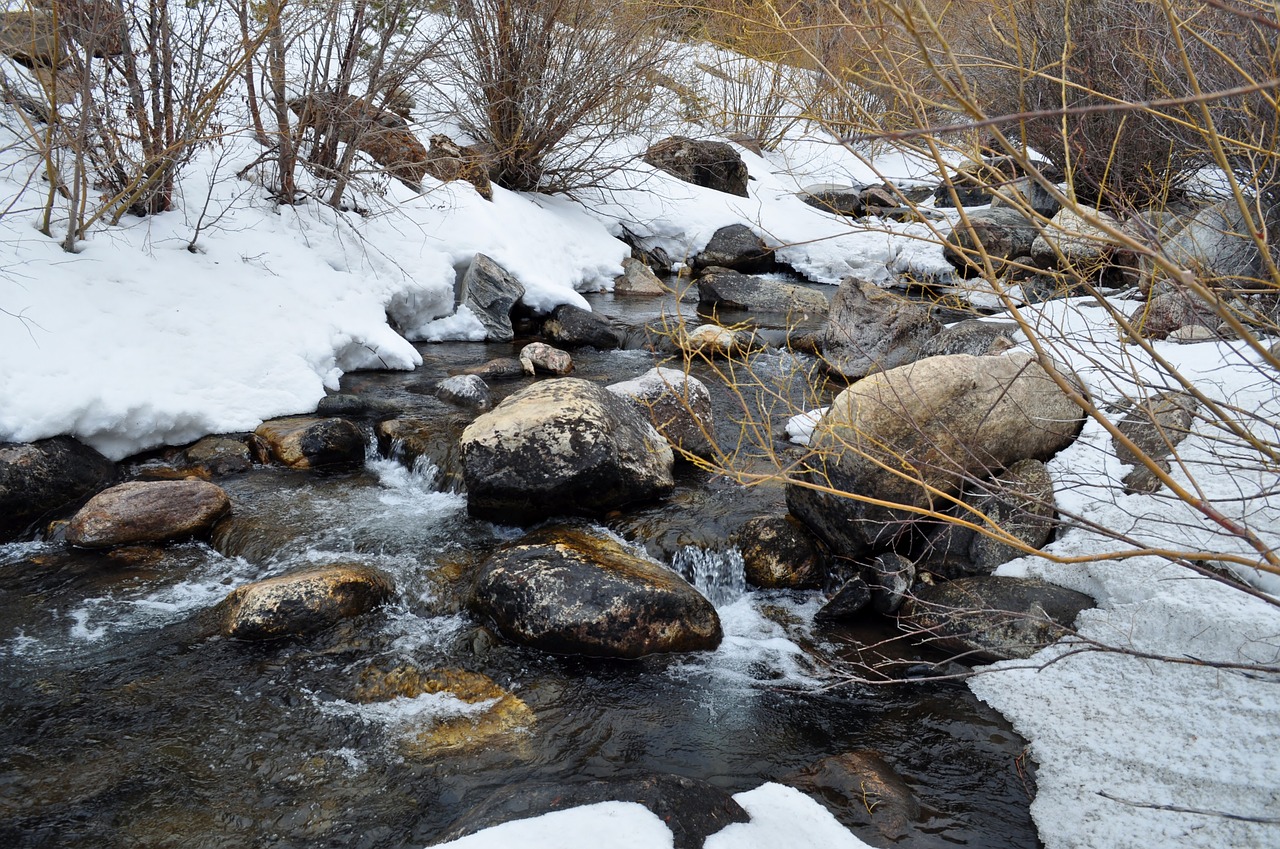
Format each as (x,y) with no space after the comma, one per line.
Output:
(737,248)
(870,329)
(1155,426)
(1026,196)
(862,788)
(40,478)
(1085,246)
(692,809)
(637,279)
(712,340)
(990,618)
(489,291)
(465,390)
(726,289)
(539,357)
(348,406)
(574,327)
(308,442)
(676,404)
(498,370)
(974,336)
(890,577)
(562,446)
(778,552)
(930,425)
(446,160)
(712,165)
(425,443)
(1216,246)
(853,597)
(1019,501)
(302,602)
(147,512)
(30,38)
(494,717)
(216,456)
(1001,233)
(572,590)
(1172,307)
(832,197)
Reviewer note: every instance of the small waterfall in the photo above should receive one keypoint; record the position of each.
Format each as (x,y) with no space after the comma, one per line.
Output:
(719,575)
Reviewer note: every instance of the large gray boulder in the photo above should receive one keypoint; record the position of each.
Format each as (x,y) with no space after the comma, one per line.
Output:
(489,291)
(561,447)
(147,512)
(712,165)
(39,478)
(1073,237)
(988,618)
(1000,233)
(900,435)
(1217,247)
(869,329)
(573,590)
(302,602)
(973,336)
(736,247)
(677,404)
(726,289)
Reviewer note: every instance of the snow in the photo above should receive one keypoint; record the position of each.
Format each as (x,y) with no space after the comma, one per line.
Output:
(780,816)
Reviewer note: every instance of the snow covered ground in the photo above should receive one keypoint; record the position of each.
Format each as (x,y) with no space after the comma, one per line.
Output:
(154,333)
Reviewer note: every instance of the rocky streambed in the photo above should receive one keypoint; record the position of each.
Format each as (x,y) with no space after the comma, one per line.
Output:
(135,715)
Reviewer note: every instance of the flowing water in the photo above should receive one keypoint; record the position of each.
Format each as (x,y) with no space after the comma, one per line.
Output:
(125,723)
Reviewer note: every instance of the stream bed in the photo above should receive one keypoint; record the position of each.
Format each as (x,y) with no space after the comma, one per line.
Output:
(123,723)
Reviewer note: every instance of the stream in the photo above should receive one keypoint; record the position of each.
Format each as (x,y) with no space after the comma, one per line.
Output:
(124,724)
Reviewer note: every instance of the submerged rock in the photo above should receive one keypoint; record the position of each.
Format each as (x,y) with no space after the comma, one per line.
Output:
(39,478)
(148,511)
(988,618)
(306,442)
(678,405)
(862,787)
(562,447)
(490,716)
(571,590)
(302,602)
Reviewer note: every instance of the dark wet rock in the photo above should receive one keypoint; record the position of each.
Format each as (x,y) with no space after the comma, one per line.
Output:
(975,337)
(501,369)
(347,406)
(562,447)
(1170,308)
(860,787)
(738,248)
(574,590)
(1000,233)
(574,327)
(712,165)
(541,358)
(847,602)
(943,421)
(890,577)
(499,718)
(988,618)
(1019,502)
(870,329)
(726,289)
(637,279)
(148,511)
(465,390)
(489,291)
(781,553)
(1155,426)
(307,442)
(302,602)
(216,456)
(40,478)
(692,809)
(832,197)
(1026,194)
(678,405)
(414,441)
